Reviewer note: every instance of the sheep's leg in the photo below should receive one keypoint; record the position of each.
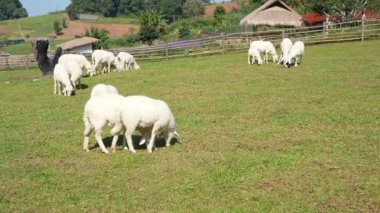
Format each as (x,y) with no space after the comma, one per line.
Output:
(249,59)
(295,64)
(144,138)
(99,139)
(115,132)
(280,59)
(151,145)
(87,132)
(168,137)
(59,88)
(130,144)
(109,67)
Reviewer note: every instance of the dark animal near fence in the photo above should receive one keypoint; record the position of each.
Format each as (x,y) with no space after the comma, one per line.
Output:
(46,64)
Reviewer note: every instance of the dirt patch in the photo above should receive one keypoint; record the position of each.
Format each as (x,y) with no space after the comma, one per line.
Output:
(76,28)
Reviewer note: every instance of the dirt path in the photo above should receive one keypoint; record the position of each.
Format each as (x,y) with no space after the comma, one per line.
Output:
(76,28)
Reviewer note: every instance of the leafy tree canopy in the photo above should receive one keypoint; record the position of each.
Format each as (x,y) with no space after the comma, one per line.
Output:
(10,9)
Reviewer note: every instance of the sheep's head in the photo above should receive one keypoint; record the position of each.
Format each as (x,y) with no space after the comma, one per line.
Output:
(275,58)
(67,91)
(91,71)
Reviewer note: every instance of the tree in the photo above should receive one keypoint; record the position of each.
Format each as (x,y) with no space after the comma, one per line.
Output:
(72,11)
(131,6)
(151,25)
(219,14)
(346,9)
(193,8)
(10,9)
(100,34)
(171,9)
(108,8)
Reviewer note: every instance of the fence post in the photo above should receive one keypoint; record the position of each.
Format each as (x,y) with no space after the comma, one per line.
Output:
(167,51)
(27,61)
(7,62)
(223,40)
(363,26)
(283,33)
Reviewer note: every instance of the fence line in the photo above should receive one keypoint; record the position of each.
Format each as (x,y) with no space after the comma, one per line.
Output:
(232,42)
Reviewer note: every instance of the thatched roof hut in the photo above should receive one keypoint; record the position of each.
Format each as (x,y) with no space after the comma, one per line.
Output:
(273,12)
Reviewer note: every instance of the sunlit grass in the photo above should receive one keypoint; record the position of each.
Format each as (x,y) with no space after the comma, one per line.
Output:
(254,138)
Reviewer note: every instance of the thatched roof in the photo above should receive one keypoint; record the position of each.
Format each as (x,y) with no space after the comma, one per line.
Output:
(77,43)
(273,12)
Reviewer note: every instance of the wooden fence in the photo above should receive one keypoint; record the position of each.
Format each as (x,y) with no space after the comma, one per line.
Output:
(234,42)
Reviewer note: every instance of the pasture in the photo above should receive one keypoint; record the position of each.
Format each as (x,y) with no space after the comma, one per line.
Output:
(254,138)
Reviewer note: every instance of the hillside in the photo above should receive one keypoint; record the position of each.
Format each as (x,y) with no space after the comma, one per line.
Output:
(40,26)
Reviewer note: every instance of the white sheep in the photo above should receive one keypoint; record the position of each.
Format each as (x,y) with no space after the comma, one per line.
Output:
(61,76)
(296,53)
(75,72)
(100,111)
(102,89)
(124,61)
(103,57)
(265,47)
(286,45)
(254,54)
(80,59)
(141,112)
(106,107)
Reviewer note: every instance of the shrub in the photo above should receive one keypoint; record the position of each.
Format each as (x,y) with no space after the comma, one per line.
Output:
(57,28)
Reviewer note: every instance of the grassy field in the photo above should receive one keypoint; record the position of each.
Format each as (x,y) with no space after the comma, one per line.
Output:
(36,26)
(254,138)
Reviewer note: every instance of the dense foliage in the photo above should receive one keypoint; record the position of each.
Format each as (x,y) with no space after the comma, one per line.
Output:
(10,9)
(100,34)
(171,10)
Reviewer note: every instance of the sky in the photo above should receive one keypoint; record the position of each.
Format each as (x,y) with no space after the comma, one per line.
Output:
(41,7)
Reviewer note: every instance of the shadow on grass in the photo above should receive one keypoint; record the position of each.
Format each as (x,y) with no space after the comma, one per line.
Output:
(159,142)
(82,86)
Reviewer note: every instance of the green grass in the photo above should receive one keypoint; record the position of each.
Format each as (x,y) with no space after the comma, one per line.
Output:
(118,20)
(26,47)
(254,138)
(33,26)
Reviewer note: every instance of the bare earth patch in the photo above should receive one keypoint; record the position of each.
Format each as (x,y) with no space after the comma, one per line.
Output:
(76,28)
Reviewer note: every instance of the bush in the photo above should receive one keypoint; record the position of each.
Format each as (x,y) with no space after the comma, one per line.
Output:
(64,23)
(101,34)
(57,28)
(184,31)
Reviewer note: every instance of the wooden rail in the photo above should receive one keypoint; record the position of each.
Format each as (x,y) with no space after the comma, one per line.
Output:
(233,42)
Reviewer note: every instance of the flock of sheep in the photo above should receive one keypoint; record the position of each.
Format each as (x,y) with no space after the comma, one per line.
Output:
(151,117)
(69,69)
(289,52)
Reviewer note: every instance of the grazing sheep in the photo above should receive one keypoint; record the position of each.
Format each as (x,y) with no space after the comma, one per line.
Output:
(140,112)
(266,47)
(254,54)
(100,111)
(61,76)
(75,72)
(102,89)
(296,53)
(124,61)
(103,57)
(80,59)
(286,45)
